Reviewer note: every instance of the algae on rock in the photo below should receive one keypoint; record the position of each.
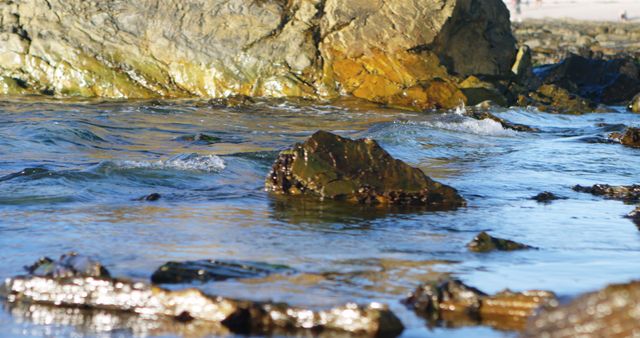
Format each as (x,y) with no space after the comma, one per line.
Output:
(360,171)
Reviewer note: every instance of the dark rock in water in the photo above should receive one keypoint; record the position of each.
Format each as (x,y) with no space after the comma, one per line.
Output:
(235,101)
(216,270)
(634,106)
(602,81)
(126,297)
(452,303)
(611,312)
(635,216)
(69,265)
(484,242)
(628,193)
(199,138)
(27,172)
(360,171)
(546,197)
(630,138)
(150,198)
(553,99)
(482,115)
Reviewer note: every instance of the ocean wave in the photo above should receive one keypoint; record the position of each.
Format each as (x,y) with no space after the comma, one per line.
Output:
(187,162)
(458,121)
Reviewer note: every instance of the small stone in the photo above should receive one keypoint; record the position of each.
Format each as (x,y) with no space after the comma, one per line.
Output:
(149,198)
(546,197)
(484,242)
(68,265)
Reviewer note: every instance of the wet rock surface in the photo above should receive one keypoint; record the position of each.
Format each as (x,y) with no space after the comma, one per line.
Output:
(297,48)
(451,303)
(68,265)
(630,137)
(629,193)
(611,312)
(553,99)
(484,242)
(358,171)
(634,105)
(213,270)
(635,216)
(89,289)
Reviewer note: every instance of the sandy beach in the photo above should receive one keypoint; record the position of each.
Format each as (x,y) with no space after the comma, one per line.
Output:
(600,10)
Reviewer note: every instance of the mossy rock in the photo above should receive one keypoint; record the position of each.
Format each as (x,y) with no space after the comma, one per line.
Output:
(360,171)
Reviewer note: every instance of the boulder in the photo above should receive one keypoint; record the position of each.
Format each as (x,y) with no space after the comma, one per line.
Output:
(452,303)
(213,270)
(602,81)
(393,52)
(611,312)
(360,171)
(484,242)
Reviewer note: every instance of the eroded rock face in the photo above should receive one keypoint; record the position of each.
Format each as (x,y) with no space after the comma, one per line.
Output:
(125,296)
(389,51)
(611,312)
(452,303)
(628,193)
(484,242)
(359,171)
(213,270)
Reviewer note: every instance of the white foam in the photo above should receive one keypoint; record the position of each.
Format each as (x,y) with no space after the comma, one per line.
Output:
(458,121)
(196,162)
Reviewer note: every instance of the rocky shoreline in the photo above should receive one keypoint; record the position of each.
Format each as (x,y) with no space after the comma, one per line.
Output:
(420,55)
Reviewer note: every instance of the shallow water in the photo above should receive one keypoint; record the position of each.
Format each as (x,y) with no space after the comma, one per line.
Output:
(71,171)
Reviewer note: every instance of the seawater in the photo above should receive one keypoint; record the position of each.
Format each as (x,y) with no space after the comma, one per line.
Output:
(71,171)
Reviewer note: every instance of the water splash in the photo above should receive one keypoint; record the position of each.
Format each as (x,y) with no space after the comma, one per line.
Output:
(187,162)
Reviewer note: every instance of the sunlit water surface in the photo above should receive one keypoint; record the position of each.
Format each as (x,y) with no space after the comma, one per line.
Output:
(90,161)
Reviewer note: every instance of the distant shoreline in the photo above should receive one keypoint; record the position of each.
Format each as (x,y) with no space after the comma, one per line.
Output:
(584,10)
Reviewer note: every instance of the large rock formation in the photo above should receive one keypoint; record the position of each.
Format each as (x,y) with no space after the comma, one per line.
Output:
(401,52)
(360,171)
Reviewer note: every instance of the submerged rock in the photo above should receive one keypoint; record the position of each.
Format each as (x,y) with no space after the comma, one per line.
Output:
(216,270)
(360,171)
(453,303)
(199,138)
(68,265)
(482,115)
(628,193)
(611,312)
(546,197)
(630,138)
(484,242)
(398,52)
(150,198)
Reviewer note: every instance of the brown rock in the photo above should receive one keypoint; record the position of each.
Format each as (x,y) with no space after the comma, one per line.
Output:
(360,171)
(457,304)
(611,312)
